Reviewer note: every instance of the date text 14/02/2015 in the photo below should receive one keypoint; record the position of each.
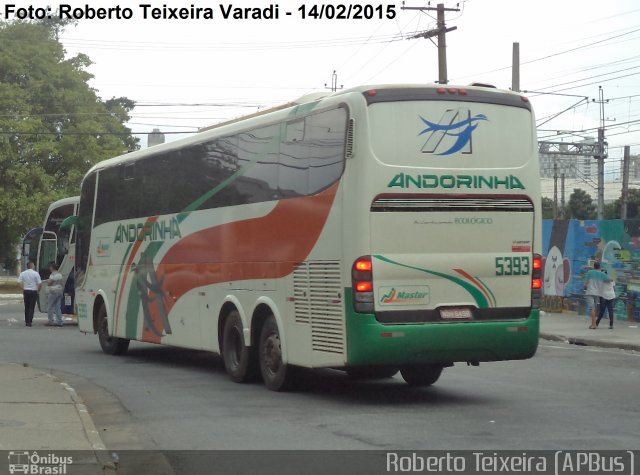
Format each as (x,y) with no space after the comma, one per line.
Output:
(194,12)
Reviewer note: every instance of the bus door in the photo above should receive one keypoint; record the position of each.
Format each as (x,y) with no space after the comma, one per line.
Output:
(47,253)
(30,243)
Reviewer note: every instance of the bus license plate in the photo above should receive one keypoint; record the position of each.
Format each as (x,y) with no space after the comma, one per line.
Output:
(456,314)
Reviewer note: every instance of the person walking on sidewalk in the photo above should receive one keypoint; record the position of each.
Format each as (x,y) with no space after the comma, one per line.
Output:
(606,301)
(54,296)
(30,282)
(594,281)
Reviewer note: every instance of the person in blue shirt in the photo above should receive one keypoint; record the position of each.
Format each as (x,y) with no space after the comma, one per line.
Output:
(594,280)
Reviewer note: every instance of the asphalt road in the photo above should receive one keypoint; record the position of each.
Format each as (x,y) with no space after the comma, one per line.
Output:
(165,398)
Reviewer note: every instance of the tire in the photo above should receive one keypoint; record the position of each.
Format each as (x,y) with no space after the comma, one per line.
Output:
(238,358)
(371,372)
(421,375)
(277,375)
(111,345)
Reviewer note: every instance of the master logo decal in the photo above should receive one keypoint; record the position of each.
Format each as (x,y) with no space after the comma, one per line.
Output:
(405,295)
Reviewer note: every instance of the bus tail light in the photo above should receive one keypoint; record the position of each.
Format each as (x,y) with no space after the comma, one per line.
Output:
(536,281)
(362,284)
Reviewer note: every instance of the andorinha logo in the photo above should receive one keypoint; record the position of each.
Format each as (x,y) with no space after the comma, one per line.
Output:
(409,295)
(156,231)
(34,463)
(406,181)
(452,133)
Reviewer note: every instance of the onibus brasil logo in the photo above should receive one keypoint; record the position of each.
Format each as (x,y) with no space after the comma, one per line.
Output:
(34,463)
(452,133)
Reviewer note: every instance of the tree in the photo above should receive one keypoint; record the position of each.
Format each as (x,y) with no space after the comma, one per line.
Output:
(581,205)
(547,208)
(53,126)
(612,210)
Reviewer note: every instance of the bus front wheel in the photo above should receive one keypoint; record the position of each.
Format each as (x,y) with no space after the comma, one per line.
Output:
(421,375)
(111,345)
(276,375)
(237,356)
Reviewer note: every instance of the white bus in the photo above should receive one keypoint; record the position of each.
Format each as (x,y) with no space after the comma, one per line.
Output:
(54,243)
(372,229)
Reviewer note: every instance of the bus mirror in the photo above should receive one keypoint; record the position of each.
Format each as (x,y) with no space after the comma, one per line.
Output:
(68,222)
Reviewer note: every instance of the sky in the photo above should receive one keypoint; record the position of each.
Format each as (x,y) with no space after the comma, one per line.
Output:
(184,74)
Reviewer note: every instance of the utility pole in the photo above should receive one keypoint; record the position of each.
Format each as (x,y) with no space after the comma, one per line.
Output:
(601,153)
(515,68)
(562,214)
(334,82)
(440,31)
(555,187)
(625,182)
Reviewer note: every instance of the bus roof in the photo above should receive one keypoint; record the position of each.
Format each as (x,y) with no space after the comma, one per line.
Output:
(64,201)
(386,90)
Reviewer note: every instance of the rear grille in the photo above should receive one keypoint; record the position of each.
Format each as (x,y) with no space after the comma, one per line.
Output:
(425,203)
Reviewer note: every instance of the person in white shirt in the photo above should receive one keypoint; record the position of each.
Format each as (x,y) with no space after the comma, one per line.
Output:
(606,301)
(54,295)
(30,282)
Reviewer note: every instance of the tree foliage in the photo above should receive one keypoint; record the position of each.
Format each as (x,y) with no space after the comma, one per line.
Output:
(581,205)
(547,208)
(612,210)
(53,126)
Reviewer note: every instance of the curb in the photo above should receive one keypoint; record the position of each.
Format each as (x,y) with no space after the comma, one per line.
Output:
(589,342)
(92,434)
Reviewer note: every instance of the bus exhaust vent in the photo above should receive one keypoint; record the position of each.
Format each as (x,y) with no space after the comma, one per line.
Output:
(318,301)
(413,204)
(349,146)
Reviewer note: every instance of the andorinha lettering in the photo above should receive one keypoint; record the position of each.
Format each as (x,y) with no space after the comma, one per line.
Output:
(157,231)
(405,180)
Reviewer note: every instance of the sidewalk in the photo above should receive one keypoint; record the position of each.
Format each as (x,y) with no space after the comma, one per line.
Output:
(40,413)
(574,328)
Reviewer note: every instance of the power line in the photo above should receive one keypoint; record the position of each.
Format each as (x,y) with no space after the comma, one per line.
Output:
(559,53)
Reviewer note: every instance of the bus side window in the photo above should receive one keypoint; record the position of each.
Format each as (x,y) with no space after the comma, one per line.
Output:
(325,133)
(293,173)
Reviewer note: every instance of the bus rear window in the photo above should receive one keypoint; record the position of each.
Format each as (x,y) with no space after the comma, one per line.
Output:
(451,135)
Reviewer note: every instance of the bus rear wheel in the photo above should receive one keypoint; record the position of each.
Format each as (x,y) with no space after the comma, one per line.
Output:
(111,345)
(421,375)
(238,358)
(276,375)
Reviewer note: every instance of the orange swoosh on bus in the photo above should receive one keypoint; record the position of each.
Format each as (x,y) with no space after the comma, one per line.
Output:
(268,247)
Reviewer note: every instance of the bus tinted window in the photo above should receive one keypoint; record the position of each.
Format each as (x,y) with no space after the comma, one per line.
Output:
(273,162)
(324,135)
(258,158)
(312,153)
(118,194)
(293,177)
(84,224)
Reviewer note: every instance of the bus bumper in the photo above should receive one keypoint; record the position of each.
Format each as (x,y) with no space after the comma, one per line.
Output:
(370,342)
